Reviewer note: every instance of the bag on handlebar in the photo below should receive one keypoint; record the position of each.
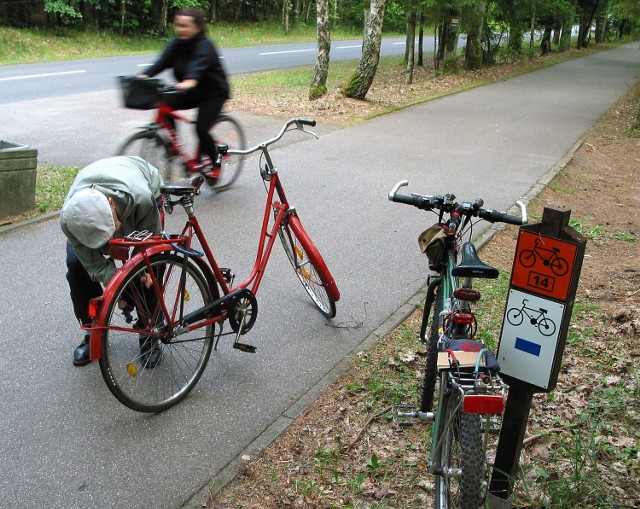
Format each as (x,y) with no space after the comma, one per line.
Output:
(139,93)
(431,242)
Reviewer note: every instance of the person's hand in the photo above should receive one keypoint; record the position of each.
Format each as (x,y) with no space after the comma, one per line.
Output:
(146,280)
(185,85)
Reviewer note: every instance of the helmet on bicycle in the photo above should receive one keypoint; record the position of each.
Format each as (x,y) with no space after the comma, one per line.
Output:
(88,216)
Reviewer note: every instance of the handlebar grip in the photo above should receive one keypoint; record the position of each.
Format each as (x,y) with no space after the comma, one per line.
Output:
(306,121)
(495,216)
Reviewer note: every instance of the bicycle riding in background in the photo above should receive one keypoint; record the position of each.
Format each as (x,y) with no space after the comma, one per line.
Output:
(173,293)
(159,143)
(470,398)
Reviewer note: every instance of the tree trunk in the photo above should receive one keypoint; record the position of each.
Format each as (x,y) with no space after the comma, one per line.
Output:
(361,80)
(451,32)
(285,16)
(410,40)
(545,44)
(321,70)
(421,39)
(123,14)
(473,50)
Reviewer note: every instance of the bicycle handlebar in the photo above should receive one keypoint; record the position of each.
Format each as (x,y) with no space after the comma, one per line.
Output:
(299,125)
(447,203)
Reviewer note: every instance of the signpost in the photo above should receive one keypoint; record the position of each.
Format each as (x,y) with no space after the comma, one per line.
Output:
(544,281)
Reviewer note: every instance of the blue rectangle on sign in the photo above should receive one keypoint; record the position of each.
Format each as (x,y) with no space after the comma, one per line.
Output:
(528,346)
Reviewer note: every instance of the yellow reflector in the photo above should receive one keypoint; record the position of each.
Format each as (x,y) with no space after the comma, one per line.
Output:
(132,369)
(187,297)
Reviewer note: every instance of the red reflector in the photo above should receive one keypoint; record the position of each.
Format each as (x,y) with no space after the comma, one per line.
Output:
(468,294)
(463,318)
(94,307)
(480,404)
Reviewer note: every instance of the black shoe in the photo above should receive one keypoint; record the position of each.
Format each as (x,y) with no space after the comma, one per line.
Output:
(150,352)
(81,353)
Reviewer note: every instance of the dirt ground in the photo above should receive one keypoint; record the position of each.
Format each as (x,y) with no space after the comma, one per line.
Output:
(345,451)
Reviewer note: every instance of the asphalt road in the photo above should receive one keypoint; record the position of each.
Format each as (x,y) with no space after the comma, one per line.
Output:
(67,443)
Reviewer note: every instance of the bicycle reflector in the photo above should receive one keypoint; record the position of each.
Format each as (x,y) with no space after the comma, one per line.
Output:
(482,404)
(94,307)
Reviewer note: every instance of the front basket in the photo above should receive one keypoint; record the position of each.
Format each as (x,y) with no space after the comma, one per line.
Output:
(139,93)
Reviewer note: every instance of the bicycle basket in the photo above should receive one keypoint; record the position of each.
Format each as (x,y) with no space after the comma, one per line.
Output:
(139,93)
(431,242)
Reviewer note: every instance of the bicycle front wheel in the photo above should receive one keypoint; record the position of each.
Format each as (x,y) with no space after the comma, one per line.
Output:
(431,367)
(227,131)
(150,146)
(461,472)
(308,265)
(146,365)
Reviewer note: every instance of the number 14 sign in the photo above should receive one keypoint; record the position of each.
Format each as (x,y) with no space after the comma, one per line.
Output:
(543,265)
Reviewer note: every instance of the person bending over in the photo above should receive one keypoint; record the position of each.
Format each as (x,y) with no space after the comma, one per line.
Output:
(109,198)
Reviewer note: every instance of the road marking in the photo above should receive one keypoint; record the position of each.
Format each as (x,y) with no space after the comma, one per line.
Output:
(28,76)
(350,47)
(289,51)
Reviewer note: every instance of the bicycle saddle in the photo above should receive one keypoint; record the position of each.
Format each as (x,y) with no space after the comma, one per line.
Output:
(190,186)
(472,266)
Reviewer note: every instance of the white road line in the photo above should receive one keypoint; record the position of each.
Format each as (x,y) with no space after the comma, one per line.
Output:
(28,76)
(350,47)
(290,51)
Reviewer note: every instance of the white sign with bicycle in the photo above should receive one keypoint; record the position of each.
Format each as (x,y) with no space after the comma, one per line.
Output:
(529,337)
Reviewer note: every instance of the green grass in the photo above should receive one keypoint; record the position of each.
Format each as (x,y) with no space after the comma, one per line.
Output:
(19,46)
(52,185)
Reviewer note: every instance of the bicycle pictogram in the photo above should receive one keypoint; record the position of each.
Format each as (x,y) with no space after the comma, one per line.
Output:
(549,256)
(537,317)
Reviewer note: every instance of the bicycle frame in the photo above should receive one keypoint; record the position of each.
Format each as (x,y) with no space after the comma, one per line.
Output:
(276,206)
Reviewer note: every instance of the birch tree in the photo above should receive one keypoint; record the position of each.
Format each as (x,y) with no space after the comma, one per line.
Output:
(321,70)
(360,81)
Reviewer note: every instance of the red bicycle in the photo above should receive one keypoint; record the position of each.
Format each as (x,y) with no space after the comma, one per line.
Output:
(173,298)
(159,143)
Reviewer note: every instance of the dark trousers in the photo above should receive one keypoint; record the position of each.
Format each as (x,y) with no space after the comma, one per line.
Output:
(82,288)
(208,111)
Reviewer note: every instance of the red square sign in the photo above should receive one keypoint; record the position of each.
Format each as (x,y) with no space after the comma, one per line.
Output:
(543,265)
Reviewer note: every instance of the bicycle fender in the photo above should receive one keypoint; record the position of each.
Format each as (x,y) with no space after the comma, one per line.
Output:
(99,323)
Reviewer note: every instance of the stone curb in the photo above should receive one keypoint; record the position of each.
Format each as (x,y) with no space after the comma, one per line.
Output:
(229,472)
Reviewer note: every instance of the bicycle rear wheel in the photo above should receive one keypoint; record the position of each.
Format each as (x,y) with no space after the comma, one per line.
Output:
(309,265)
(227,131)
(460,461)
(150,146)
(145,365)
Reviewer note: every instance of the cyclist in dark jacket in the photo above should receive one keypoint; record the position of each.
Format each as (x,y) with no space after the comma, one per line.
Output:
(199,74)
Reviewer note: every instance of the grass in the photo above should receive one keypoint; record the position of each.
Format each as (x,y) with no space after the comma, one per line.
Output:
(20,46)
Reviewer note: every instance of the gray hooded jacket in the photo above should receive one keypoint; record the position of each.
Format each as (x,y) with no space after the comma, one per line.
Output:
(134,186)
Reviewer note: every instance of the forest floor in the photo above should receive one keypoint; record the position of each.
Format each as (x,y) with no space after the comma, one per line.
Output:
(581,447)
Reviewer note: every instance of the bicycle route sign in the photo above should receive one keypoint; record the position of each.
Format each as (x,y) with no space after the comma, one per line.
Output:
(543,285)
(544,265)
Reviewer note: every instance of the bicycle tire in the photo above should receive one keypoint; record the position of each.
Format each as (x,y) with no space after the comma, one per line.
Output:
(151,147)
(308,264)
(516,317)
(527,258)
(461,465)
(125,369)
(431,363)
(228,131)
(547,327)
(559,266)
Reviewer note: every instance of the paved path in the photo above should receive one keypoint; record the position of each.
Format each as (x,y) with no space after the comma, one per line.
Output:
(67,443)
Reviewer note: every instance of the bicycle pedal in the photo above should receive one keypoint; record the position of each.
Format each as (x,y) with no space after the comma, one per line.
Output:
(404,415)
(243,347)
(227,275)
